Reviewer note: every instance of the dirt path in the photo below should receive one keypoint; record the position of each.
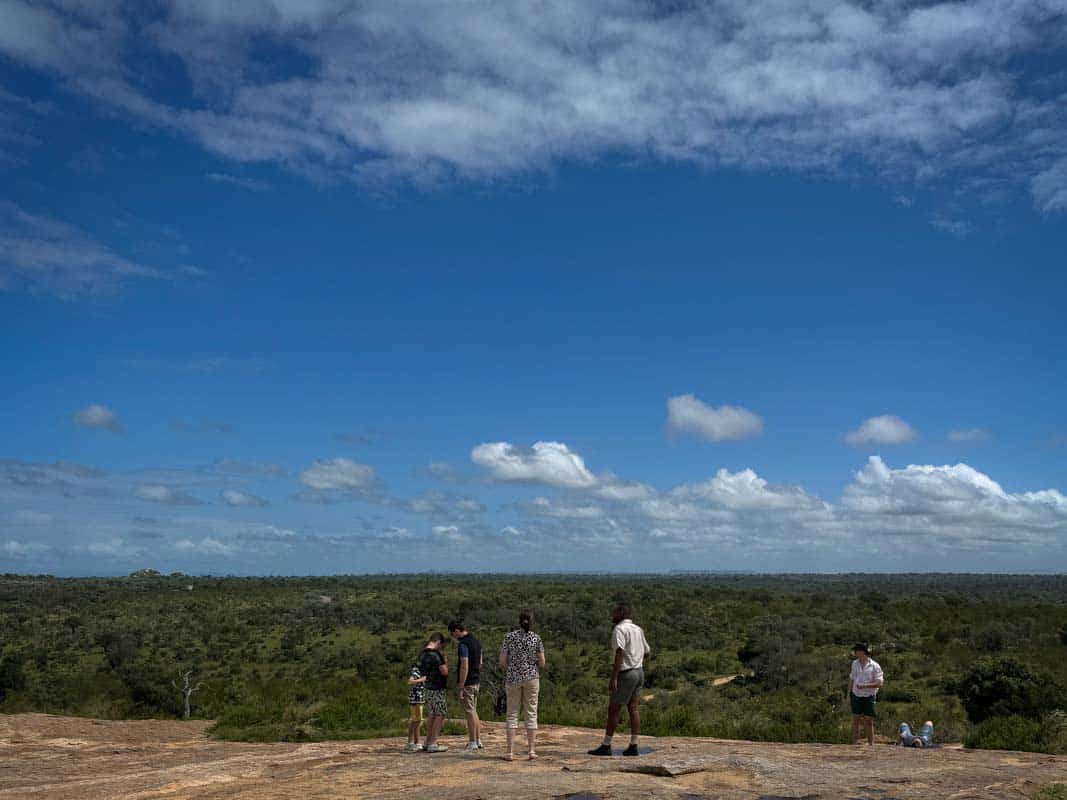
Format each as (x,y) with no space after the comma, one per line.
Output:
(64,758)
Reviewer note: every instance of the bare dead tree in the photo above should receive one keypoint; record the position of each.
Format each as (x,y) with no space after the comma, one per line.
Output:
(186,688)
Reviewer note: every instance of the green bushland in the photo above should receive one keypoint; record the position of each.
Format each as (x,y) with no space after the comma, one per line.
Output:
(314,658)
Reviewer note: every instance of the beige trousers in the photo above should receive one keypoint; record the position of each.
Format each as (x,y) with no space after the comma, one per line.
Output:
(523,696)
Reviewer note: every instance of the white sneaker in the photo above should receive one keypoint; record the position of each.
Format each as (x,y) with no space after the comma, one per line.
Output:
(472,747)
(412,747)
(436,748)
(480,745)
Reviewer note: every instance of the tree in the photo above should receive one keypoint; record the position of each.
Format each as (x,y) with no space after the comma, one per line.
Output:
(186,688)
(11,676)
(1004,687)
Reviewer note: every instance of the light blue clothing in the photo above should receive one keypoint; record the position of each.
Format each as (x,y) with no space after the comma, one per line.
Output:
(925,738)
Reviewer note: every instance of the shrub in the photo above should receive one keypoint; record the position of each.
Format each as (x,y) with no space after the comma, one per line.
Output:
(991,638)
(1008,733)
(895,694)
(1003,688)
(1053,791)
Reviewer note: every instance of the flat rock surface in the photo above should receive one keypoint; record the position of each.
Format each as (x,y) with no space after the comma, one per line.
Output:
(64,758)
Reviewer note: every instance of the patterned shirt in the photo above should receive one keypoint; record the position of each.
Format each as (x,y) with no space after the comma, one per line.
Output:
(522,648)
(417,694)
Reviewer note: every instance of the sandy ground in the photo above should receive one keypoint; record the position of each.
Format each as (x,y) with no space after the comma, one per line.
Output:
(43,756)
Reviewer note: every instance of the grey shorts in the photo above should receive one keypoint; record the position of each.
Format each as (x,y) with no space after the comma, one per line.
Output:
(630,683)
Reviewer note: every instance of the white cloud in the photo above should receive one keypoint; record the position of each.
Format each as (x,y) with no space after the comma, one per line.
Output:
(251,184)
(166,495)
(468,505)
(1049,187)
(968,435)
(687,414)
(955,227)
(206,546)
(956,503)
(339,473)
(251,468)
(339,480)
(45,255)
(114,548)
(233,497)
(611,488)
(16,549)
(99,417)
(544,507)
(551,463)
(450,533)
(886,429)
(914,92)
(746,490)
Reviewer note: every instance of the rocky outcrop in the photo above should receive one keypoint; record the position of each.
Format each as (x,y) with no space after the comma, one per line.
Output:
(64,758)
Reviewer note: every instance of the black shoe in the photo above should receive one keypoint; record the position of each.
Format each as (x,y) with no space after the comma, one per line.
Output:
(603,750)
(631,751)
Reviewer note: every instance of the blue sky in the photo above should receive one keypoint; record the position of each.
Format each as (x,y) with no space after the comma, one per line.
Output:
(607,287)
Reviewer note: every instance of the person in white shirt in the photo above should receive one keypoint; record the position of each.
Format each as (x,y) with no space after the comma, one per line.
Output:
(627,678)
(864,682)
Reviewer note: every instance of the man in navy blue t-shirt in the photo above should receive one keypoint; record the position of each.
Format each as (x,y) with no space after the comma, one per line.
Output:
(468,680)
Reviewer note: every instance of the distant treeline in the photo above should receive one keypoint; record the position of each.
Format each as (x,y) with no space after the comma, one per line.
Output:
(287,658)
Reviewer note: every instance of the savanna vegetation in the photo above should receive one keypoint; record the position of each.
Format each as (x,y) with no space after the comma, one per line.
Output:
(739,656)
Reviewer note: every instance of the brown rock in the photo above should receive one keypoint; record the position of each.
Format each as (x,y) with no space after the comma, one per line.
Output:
(64,758)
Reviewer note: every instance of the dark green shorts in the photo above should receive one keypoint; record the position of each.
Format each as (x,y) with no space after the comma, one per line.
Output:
(863,706)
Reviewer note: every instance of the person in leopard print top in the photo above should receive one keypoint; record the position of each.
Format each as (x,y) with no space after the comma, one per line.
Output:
(522,658)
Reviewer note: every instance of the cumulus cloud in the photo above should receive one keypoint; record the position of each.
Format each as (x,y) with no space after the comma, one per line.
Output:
(468,505)
(610,487)
(166,495)
(99,417)
(419,92)
(542,506)
(338,479)
(551,463)
(41,254)
(687,414)
(16,549)
(442,505)
(238,499)
(968,435)
(114,548)
(886,429)
(746,490)
(450,533)
(338,473)
(236,466)
(206,546)
(956,502)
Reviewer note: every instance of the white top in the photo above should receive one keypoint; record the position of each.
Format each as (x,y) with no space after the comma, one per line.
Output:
(631,639)
(872,673)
